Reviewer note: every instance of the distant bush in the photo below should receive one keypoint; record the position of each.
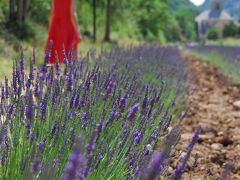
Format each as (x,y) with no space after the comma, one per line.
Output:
(230,30)
(39,11)
(238,31)
(213,33)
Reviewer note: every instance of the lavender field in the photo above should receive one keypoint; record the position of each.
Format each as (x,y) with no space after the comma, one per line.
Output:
(95,121)
(119,90)
(227,58)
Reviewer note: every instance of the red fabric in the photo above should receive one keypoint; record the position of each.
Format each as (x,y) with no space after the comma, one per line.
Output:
(63,29)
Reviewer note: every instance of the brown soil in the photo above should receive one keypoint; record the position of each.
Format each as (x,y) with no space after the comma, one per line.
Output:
(212,107)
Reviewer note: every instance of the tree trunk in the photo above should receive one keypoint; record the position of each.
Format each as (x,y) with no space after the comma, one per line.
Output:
(108,21)
(94,20)
(12,10)
(22,11)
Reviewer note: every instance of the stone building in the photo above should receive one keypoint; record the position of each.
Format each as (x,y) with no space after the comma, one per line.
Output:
(215,16)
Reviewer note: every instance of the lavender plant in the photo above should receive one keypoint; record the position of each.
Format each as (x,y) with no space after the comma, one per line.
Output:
(227,58)
(92,121)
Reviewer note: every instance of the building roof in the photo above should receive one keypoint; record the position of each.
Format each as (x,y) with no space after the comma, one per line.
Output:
(210,15)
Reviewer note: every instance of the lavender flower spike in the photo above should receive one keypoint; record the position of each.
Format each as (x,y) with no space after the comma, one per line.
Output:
(132,112)
(157,165)
(177,174)
(226,171)
(76,163)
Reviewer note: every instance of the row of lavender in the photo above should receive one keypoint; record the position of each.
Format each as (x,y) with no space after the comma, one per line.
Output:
(94,121)
(228,53)
(226,58)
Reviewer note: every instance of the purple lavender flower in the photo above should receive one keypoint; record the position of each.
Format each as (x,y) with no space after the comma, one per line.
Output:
(177,174)
(3,97)
(145,102)
(43,107)
(123,102)
(84,120)
(30,106)
(6,88)
(183,115)
(48,53)
(132,112)
(137,136)
(77,101)
(31,74)
(72,100)
(194,139)
(10,111)
(43,72)
(42,143)
(22,61)
(99,127)
(70,56)
(65,61)
(70,82)
(37,89)
(110,87)
(226,171)
(157,165)
(36,166)
(5,151)
(90,147)
(57,65)
(76,163)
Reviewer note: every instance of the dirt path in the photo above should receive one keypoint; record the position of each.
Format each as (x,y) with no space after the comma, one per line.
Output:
(212,108)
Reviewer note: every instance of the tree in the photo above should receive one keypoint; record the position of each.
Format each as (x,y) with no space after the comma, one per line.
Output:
(21,7)
(213,33)
(22,11)
(107,36)
(94,20)
(12,10)
(230,30)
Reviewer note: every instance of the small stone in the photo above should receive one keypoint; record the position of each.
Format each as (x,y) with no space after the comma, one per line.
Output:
(236,104)
(218,159)
(225,141)
(220,133)
(216,146)
(206,137)
(186,136)
(206,128)
(170,169)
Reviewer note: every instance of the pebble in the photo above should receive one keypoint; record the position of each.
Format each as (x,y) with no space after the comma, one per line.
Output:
(217,146)
(236,104)
(226,141)
(206,128)
(206,137)
(186,136)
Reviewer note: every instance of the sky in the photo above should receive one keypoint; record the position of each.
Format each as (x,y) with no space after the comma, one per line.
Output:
(197,2)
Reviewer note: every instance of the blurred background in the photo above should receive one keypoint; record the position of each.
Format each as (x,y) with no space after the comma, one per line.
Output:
(103,23)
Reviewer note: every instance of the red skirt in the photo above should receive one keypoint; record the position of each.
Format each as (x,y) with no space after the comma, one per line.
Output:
(63,31)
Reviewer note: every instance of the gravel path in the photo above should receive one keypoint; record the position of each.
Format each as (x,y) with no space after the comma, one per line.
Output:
(215,106)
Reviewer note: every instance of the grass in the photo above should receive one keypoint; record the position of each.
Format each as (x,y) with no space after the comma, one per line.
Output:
(226,42)
(26,151)
(229,69)
(9,46)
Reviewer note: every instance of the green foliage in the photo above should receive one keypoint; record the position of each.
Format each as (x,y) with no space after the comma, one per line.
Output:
(160,21)
(213,33)
(185,20)
(230,70)
(230,30)
(39,11)
(238,31)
